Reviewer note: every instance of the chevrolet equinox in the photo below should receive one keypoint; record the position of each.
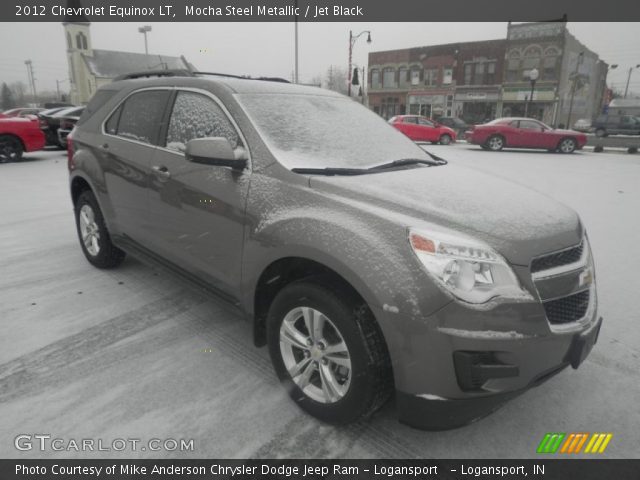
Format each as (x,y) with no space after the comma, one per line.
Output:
(368,266)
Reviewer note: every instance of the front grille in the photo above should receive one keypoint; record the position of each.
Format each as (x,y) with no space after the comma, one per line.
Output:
(557,259)
(567,309)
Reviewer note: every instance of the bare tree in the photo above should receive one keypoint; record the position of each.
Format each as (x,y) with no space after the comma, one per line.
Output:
(337,79)
(6,101)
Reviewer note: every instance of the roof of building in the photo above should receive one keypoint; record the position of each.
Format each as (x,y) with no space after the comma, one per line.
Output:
(111,64)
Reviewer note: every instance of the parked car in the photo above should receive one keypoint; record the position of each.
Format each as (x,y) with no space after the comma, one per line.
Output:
(606,125)
(20,112)
(67,123)
(455,123)
(50,122)
(19,135)
(367,265)
(525,133)
(583,125)
(421,129)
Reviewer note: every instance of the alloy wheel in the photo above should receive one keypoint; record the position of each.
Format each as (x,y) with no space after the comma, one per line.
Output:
(315,355)
(567,145)
(89,230)
(495,143)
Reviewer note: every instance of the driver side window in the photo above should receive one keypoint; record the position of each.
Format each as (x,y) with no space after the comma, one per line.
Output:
(197,116)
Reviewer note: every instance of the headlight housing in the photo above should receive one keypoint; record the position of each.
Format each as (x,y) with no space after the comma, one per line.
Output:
(469,269)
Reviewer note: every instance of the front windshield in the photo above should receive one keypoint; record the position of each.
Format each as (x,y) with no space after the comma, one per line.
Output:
(317,131)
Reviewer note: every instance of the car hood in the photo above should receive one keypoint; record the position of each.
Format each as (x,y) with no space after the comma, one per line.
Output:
(518,222)
(560,131)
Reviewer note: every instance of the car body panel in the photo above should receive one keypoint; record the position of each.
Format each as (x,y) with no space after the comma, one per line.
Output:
(226,227)
(26,129)
(537,135)
(421,129)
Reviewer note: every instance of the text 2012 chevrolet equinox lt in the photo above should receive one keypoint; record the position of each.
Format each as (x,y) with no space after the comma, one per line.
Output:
(369,267)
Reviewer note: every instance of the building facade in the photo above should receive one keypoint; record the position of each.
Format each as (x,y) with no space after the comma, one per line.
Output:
(479,81)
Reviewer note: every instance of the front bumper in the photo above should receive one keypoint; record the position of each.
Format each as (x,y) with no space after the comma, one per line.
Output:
(433,412)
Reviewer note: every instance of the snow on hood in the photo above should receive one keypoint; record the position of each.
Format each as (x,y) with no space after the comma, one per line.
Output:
(518,222)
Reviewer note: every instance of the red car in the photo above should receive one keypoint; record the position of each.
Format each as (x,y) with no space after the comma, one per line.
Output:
(421,129)
(524,133)
(20,112)
(19,135)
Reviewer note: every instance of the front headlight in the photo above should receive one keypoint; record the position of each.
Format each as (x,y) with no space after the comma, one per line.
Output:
(469,269)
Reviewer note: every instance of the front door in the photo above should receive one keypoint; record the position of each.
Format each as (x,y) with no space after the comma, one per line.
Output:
(197,210)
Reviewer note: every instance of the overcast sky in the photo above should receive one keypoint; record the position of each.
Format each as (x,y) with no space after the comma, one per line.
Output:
(268,48)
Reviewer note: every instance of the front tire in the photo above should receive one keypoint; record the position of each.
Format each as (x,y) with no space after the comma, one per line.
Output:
(10,149)
(495,143)
(328,352)
(567,145)
(94,237)
(445,139)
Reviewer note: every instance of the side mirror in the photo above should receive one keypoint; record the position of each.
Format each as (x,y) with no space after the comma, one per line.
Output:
(215,151)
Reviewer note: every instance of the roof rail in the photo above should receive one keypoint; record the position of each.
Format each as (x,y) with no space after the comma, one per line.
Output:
(243,77)
(155,73)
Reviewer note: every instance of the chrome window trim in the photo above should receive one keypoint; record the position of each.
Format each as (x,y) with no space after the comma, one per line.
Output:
(165,149)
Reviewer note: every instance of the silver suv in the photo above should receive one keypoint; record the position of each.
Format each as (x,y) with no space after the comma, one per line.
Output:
(368,266)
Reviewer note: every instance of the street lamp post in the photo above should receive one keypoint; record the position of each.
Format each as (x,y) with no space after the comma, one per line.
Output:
(626,89)
(573,87)
(144,30)
(352,41)
(533,77)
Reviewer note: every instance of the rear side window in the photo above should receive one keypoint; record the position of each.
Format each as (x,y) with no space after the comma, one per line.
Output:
(197,116)
(98,100)
(139,117)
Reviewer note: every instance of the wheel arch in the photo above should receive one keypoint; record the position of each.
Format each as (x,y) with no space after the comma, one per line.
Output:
(17,137)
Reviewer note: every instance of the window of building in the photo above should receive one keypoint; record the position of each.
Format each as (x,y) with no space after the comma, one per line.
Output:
(81,41)
(513,68)
(550,64)
(449,105)
(69,42)
(479,74)
(490,75)
(530,61)
(468,74)
(197,116)
(389,78)
(447,76)
(403,76)
(431,76)
(415,76)
(375,78)
(140,116)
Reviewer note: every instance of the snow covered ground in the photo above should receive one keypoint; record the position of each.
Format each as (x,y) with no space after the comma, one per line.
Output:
(132,353)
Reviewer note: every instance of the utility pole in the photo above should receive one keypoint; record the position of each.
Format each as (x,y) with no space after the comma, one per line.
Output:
(32,80)
(626,90)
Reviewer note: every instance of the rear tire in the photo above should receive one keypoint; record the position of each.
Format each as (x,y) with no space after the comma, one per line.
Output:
(329,352)
(10,149)
(445,139)
(93,234)
(495,143)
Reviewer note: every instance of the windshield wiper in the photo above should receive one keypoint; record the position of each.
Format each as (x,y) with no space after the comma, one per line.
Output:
(331,171)
(405,161)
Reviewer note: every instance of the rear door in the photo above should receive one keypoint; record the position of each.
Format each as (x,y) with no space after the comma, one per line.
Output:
(197,211)
(125,152)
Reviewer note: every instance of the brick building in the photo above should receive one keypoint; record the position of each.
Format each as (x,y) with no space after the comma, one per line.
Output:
(482,80)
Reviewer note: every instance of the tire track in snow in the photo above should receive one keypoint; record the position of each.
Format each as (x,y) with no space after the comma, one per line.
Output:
(36,371)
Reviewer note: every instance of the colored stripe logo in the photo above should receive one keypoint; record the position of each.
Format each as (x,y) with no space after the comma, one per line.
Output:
(556,442)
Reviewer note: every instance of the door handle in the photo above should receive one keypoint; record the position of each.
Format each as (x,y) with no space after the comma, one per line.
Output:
(161,171)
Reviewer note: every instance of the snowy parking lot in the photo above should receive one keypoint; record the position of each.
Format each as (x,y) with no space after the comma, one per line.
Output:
(134,353)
